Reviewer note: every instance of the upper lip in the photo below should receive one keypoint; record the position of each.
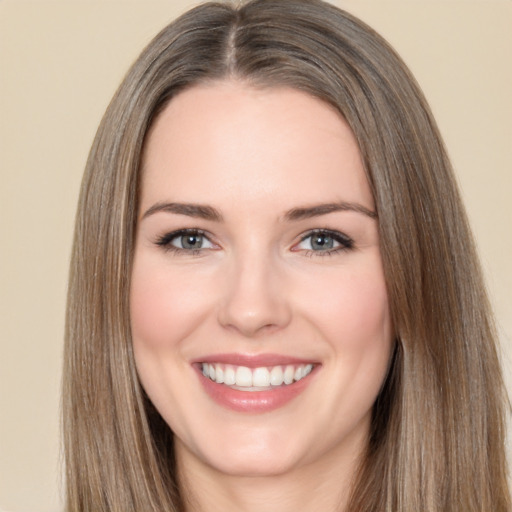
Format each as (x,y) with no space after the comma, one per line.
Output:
(252,360)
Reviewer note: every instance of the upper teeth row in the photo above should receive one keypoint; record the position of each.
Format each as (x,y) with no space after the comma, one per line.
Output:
(255,377)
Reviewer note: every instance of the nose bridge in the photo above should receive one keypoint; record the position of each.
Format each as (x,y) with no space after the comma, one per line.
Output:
(254,299)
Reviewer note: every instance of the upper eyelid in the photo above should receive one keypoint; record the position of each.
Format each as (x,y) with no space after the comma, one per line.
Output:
(167,237)
(331,232)
(339,236)
(345,242)
(324,230)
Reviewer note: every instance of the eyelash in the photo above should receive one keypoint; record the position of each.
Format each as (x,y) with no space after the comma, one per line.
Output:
(165,241)
(346,243)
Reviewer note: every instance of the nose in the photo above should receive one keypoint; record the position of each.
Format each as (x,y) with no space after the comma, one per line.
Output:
(255,298)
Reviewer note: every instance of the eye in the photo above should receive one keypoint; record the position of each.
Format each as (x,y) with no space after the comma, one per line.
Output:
(324,242)
(186,240)
(191,241)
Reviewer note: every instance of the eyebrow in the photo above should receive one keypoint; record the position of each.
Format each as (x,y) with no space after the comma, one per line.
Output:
(300,213)
(189,209)
(308,212)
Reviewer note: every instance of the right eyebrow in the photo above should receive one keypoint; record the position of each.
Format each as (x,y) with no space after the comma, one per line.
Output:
(307,212)
(189,209)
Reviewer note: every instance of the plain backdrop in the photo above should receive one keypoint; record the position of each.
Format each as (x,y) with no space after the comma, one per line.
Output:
(60,63)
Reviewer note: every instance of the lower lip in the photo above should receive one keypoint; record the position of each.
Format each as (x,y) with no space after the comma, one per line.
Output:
(254,401)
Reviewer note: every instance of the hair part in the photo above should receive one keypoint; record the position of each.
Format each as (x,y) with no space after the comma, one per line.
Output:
(438,424)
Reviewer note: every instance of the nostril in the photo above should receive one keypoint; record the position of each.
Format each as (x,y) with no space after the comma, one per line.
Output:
(254,299)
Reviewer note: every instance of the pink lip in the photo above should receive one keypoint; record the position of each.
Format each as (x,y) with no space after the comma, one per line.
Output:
(253,401)
(252,360)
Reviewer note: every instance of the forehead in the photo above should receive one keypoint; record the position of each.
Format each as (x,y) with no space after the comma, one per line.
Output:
(229,141)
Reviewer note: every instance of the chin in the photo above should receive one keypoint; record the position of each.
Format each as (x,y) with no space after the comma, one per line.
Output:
(249,454)
(259,465)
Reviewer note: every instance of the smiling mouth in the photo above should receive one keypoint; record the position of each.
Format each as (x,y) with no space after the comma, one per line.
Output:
(263,378)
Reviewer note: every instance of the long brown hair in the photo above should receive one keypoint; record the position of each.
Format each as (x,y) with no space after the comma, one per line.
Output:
(437,438)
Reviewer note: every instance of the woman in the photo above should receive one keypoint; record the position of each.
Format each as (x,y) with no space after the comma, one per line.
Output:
(274,299)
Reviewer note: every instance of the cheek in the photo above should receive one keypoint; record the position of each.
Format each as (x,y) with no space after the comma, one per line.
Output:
(352,309)
(355,321)
(366,311)
(165,307)
(165,304)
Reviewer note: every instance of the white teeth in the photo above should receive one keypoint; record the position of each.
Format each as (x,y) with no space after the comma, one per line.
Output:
(276,376)
(254,378)
(219,375)
(261,377)
(229,376)
(289,373)
(243,376)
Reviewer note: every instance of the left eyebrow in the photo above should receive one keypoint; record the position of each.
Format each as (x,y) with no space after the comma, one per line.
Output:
(189,209)
(306,212)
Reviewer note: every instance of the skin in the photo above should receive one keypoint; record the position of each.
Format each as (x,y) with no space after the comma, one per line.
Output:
(257,285)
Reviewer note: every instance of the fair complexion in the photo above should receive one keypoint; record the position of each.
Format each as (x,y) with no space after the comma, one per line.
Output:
(257,247)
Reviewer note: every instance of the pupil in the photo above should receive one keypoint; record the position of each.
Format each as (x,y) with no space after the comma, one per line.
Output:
(191,241)
(322,242)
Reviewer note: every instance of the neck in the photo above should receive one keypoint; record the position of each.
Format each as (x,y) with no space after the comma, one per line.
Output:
(308,488)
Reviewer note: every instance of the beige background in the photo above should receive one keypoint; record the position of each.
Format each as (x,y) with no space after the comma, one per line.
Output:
(60,62)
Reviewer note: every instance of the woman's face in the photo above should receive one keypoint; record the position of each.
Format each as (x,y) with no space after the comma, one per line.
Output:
(259,312)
